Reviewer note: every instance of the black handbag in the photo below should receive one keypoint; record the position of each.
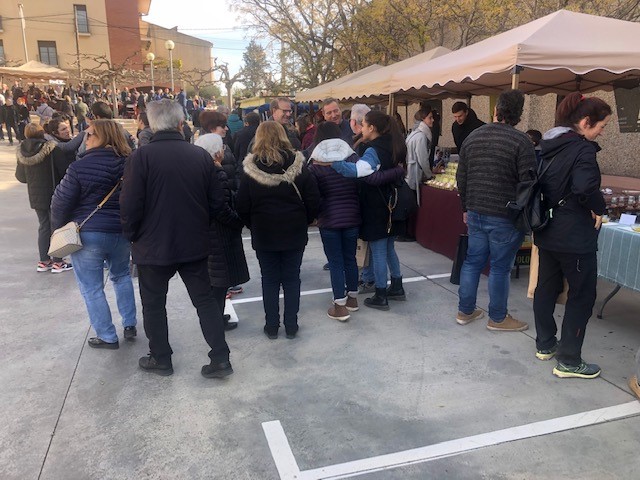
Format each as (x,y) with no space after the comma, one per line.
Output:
(461,254)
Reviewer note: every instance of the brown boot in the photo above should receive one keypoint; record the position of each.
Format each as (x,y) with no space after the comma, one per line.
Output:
(338,312)
(352,304)
(509,324)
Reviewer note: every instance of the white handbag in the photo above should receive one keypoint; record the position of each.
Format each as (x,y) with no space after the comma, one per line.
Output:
(66,239)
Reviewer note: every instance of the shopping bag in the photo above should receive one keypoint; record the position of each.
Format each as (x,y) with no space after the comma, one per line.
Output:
(533,278)
(362,253)
(461,253)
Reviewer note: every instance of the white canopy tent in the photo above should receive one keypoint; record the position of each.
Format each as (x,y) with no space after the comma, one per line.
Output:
(326,90)
(559,53)
(34,70)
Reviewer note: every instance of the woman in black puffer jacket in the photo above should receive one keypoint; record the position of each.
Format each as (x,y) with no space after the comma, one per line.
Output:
(41,165)
(227,262)
(568,244)
(85,185)
(277,199)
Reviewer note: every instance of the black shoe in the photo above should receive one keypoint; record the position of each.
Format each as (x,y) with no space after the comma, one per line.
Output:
(226,317)
(395,291)
(130,333)
(227,324)
(95,342)
(150,364)
(379,300)
(217,370)
(291,332)
(271,332)
(325,267)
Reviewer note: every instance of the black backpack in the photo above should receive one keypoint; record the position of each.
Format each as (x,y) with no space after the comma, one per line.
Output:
(530,212)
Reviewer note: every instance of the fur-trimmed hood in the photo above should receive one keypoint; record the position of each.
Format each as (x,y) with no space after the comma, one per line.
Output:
(272,176)
(33,151)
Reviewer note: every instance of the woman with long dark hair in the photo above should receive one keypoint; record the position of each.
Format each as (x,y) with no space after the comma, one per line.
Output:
(84,186)
(568,245)
(385,149)
(277,199)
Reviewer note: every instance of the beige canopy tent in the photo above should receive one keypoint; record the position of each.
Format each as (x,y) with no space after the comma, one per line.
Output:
(34,71)
(560,53)
(328,89)
(377,86)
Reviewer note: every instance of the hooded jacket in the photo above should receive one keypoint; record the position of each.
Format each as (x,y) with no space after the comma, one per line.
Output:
(573,175)
(339,204)
(461,132)
(41,165)
(234,123)
(418,150)
(269,204)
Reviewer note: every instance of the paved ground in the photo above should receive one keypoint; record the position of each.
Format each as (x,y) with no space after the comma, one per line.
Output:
(380,384)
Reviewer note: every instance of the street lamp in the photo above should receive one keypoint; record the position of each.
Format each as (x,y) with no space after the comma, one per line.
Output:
(169,45)
(151,57)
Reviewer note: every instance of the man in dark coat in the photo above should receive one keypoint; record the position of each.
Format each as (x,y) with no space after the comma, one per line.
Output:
(169,196)
(466,121)
(333,113)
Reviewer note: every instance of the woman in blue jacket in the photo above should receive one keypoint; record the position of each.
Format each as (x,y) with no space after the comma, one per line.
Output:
(86,183)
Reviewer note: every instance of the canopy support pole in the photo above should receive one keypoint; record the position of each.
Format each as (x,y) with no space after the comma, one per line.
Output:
(515,76)
(391,109)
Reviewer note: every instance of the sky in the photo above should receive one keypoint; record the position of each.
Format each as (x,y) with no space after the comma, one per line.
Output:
(210,20)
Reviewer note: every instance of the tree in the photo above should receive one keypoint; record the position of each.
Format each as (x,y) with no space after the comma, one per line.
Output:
(255,69)
(227,79)
(198,78)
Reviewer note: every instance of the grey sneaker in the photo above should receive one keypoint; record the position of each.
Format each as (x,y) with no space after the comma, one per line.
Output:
(547,354)
(509,324)
(463,318)
(366,287)
(584,370)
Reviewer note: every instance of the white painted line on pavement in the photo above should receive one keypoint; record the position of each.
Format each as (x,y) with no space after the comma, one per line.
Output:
(440,275)
(328,290)
(282,455)
(229,310)
(279,445)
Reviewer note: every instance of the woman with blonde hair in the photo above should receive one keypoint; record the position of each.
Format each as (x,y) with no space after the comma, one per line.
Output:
(277,199)
(85,185)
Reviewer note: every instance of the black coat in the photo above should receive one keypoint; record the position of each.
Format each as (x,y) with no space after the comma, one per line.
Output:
(574,174)
(269,205)
(242,139)
(41,165)
(460,132)
(227,262)
(169,196)
(231,167)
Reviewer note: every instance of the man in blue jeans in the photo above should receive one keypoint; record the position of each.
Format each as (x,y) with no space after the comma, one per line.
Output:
(493,159)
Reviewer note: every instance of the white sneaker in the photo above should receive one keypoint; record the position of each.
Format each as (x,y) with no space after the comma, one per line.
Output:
(59,267)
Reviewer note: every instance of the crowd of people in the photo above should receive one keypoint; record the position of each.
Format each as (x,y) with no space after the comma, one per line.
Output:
(338,170)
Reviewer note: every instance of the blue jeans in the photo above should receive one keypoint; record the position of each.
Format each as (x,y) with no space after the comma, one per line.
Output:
(340,248)
(495,239)
(88,266)
(383,252)
(281,268)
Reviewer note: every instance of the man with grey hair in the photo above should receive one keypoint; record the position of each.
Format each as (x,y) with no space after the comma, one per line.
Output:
(358,112)
(170,194)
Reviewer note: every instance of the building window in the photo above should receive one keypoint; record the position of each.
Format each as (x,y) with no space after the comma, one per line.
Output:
(82,19)
(48,53)
(2,59)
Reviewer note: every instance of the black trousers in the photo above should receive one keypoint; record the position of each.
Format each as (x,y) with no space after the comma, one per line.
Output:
(581,272)
(154,284)
(220,294)
(44,235)
(281,268)
(11,126)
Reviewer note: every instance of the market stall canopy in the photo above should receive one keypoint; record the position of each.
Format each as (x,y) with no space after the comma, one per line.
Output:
(34,70)
(328,89)
(559,53)
(379,84)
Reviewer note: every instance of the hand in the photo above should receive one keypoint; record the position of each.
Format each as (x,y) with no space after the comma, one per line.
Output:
(464,217)
(598,220)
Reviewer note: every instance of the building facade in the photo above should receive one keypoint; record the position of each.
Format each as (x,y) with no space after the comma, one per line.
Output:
(73,36)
